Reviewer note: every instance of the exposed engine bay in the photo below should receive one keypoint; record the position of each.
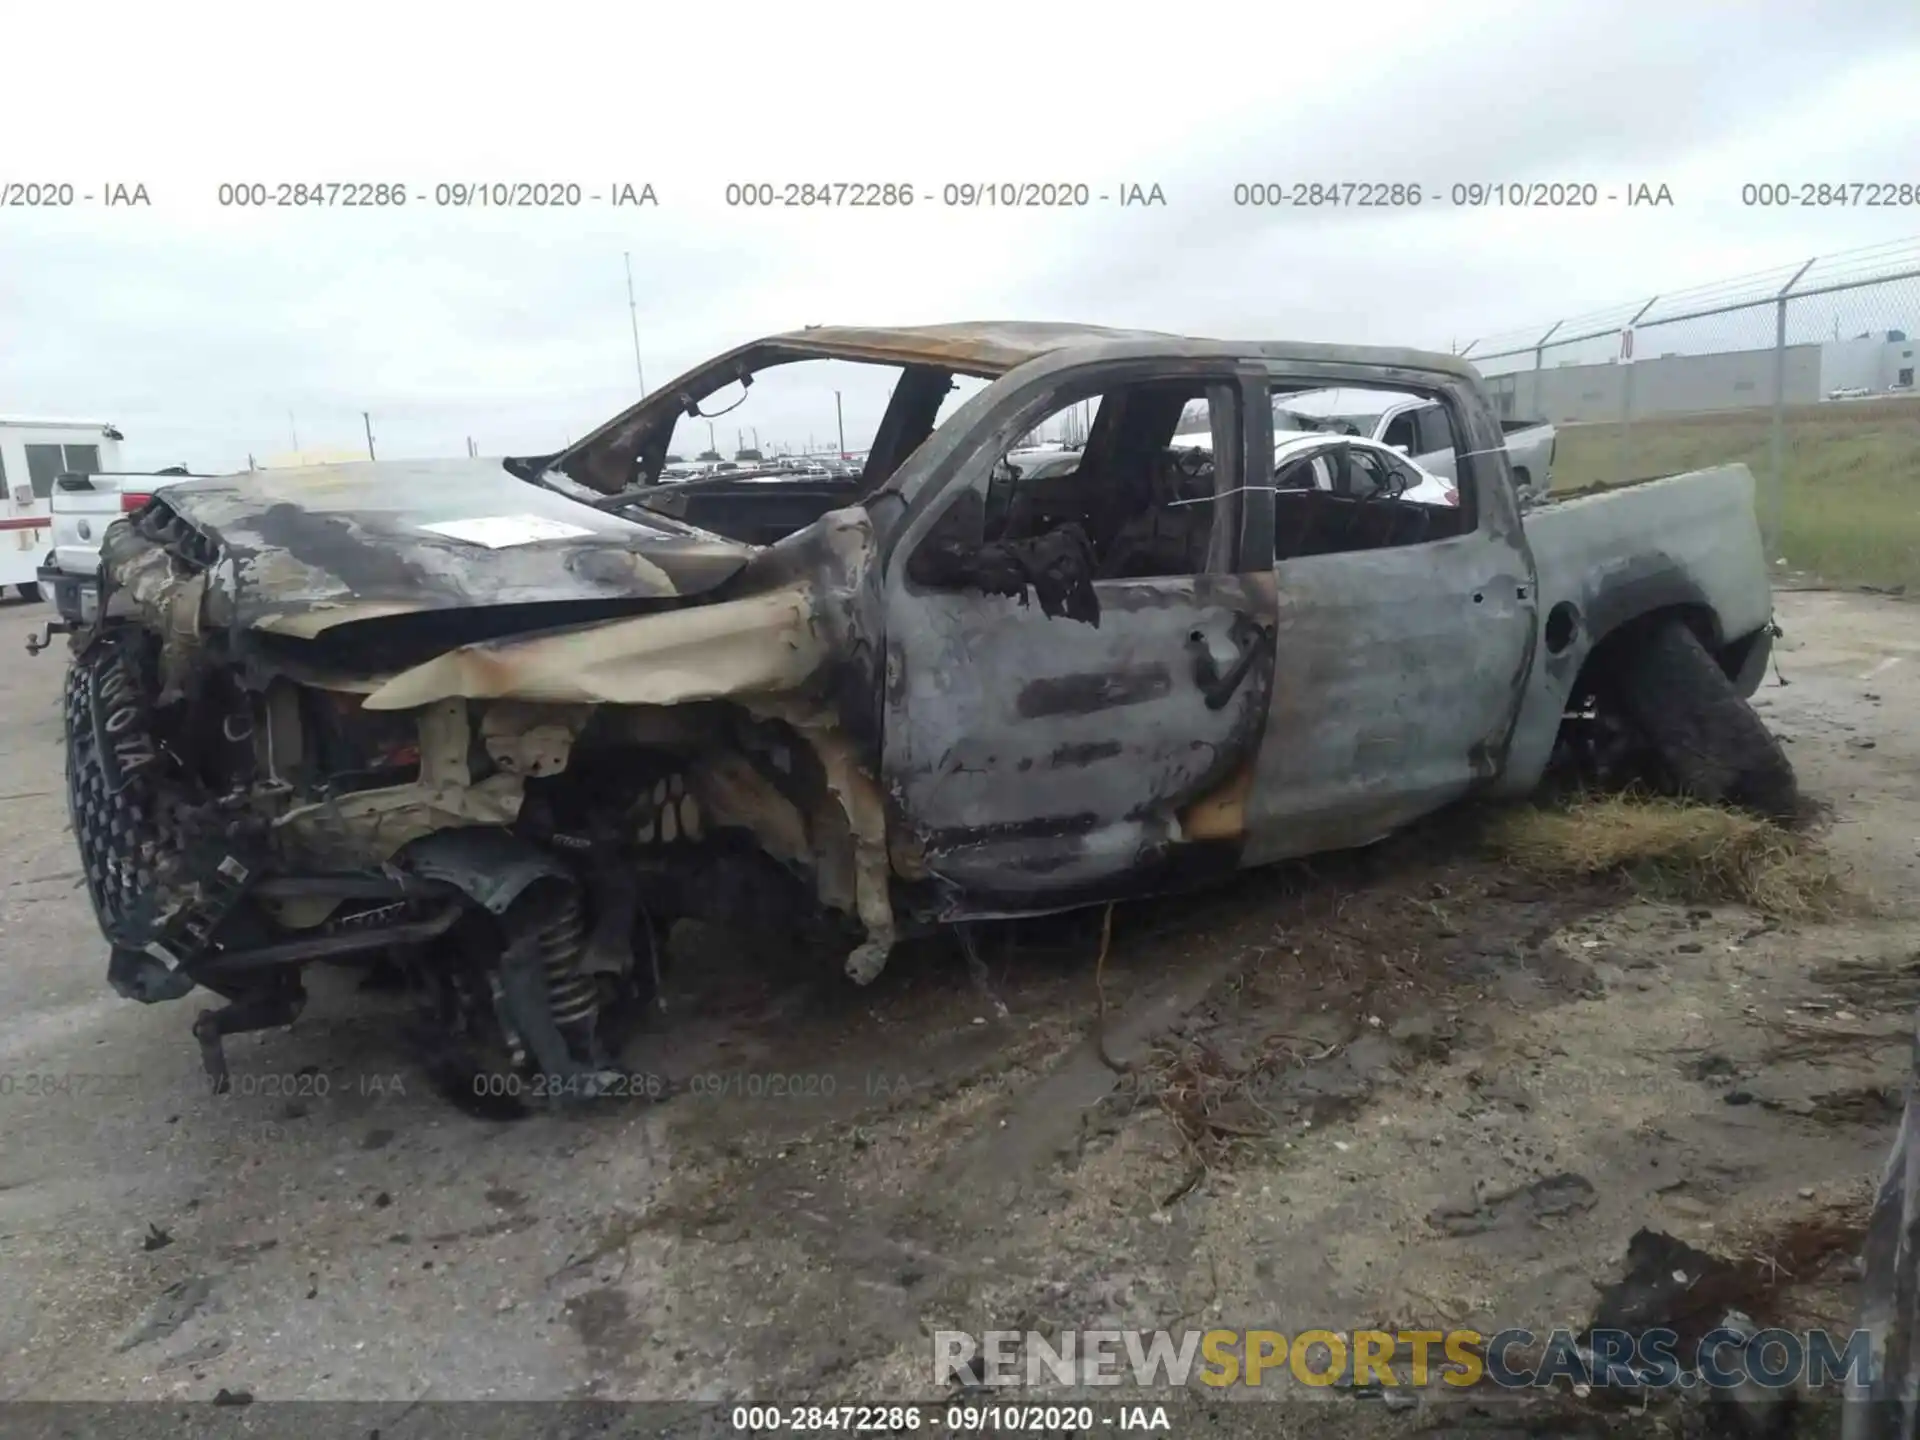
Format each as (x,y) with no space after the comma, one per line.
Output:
(241,814)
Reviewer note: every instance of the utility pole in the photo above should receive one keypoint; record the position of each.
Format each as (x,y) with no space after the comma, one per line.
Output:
(367,420)
(293,431)
(633,316)
(840,420)
(712,447)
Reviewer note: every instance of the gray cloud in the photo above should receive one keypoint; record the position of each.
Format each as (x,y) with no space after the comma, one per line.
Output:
(199,330)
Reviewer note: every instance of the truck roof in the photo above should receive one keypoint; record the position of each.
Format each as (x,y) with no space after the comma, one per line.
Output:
(25,422)
(990,348)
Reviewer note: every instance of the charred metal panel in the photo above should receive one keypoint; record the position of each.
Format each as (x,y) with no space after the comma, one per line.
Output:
(1036,757)
(303,550)
(1091,693)
(1687,542)
(758,644)
(1398,679)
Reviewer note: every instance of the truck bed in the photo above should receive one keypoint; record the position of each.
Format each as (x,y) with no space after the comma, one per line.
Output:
(1687,541)
(84,505)
(1695,533)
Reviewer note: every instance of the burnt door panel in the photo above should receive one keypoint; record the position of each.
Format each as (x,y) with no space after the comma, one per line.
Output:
(1398,675)
(1043,762)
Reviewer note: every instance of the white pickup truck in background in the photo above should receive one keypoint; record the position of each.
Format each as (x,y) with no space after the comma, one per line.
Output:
(1419,429)
(81,507)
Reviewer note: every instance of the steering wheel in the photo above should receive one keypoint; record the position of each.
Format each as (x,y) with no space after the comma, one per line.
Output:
(1192,462)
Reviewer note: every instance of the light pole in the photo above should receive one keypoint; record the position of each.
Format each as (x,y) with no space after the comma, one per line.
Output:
(633,316)
(840,420)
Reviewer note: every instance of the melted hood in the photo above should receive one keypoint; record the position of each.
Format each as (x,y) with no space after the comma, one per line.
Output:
(300,551)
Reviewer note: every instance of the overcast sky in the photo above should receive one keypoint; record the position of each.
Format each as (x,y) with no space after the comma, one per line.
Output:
(199,329)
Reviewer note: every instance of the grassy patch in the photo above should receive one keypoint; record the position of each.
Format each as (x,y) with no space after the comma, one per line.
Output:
(1849,504)
(1674,850)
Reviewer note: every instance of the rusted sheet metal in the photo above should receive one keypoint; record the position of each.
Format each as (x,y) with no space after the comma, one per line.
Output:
(990,348)
(308,550)
(798,606)
(848,832)
(755,645)
(986,348)
(1221,814)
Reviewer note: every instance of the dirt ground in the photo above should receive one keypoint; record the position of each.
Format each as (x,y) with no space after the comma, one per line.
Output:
(1344,1086)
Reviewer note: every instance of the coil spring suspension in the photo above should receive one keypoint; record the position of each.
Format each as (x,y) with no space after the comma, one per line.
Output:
(572,998)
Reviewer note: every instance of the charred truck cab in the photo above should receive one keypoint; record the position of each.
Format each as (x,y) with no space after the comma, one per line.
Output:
(501,724)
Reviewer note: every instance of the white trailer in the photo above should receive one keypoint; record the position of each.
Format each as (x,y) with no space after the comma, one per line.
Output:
(33,454)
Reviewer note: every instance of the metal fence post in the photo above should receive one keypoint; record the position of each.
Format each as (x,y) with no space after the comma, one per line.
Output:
(1534,410)
(1626,399)
(1775,500)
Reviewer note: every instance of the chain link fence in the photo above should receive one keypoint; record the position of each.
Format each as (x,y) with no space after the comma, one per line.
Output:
(1805,374)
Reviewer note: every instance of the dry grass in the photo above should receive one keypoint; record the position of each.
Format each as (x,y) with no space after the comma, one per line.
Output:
(1675,850)
(1847,508)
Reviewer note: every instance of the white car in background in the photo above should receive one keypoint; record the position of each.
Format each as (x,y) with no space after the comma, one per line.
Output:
(1352,464)
(1371,468)
(1418,428)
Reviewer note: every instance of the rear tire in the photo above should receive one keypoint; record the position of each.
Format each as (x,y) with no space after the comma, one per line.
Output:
(29,592)
(1712,744)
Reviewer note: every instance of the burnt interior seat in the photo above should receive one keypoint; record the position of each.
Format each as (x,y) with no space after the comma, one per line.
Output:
(1170,535)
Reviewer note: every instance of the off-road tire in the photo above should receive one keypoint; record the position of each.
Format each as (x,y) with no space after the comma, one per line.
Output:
(116,833)
(1708,739)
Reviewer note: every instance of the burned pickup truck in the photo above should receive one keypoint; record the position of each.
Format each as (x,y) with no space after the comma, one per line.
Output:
(499,723)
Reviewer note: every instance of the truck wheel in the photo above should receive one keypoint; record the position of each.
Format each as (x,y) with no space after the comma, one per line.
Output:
(1712,744)
(30,592)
